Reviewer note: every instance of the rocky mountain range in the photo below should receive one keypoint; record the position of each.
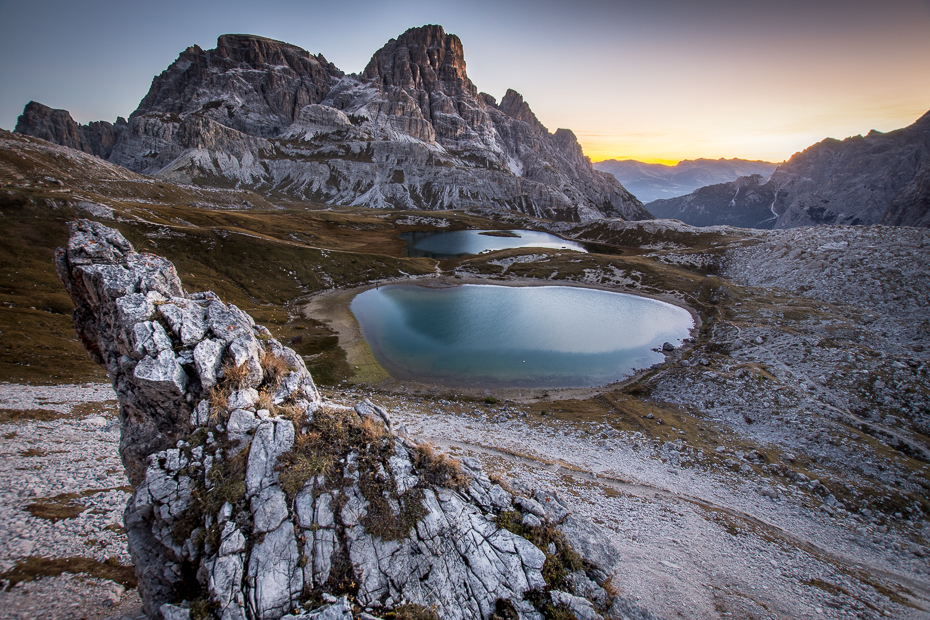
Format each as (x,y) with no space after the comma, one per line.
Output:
(880,178)
(650,182)
(411,131)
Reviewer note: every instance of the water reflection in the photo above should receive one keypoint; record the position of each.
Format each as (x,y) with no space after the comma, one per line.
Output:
(458,243)
(501,336)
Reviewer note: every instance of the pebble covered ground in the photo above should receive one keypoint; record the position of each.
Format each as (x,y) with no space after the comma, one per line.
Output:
(62,494)
(699,539)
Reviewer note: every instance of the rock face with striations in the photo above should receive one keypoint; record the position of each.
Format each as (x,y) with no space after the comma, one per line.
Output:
(880,178)
(255,498)
(411,131)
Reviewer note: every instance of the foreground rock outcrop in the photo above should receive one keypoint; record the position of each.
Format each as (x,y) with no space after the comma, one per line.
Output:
(255,498)
(411,131)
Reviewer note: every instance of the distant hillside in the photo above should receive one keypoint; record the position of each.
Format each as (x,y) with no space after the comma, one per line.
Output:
(880,178)
(745,202)
(650,182)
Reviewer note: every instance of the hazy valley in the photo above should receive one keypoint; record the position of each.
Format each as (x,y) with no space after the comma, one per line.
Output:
(651,182)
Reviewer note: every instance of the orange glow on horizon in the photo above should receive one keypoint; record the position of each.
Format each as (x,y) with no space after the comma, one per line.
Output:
(749,130)
(773,138)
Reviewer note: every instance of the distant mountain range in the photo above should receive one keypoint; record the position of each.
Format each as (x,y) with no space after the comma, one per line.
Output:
(650,182)
(880,178)
(411,131)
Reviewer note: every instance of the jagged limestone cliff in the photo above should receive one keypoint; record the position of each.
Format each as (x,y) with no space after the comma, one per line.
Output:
(411,131)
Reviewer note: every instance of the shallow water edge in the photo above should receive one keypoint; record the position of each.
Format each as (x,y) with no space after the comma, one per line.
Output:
(332,308)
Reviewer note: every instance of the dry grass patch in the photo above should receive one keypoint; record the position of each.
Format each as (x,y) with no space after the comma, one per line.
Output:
(372,430)
(32,452)
(412,611)
(79,410)
(273,367)
(298,468)
(316,449)
(20,415)
(219,403)
(265,400)
(106,408)
(56,511)
(35,567)
(234,376)
(66,505)
(438,468)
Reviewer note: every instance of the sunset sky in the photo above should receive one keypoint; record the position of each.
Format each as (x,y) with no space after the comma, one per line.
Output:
(656,80)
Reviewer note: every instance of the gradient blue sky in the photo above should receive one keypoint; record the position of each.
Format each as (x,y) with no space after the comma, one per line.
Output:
(653,80)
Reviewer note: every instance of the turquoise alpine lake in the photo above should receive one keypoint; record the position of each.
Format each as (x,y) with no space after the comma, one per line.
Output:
(456,243)
(495,336)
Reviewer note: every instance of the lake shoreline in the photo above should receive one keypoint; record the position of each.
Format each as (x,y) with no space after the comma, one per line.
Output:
(332,307)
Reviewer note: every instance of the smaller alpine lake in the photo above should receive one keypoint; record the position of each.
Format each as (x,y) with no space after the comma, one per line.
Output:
(458,243)
(496,336)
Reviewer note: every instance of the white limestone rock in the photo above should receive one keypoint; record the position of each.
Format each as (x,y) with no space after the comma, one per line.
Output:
(161,373)
(272,439)
(273,566)
(581,608)
(241,421)
(269,509)
(208,358)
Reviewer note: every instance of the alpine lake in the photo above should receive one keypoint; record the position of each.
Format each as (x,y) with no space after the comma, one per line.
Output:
(501,336)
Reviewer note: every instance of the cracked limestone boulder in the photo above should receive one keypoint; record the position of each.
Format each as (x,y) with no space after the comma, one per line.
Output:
(255,499)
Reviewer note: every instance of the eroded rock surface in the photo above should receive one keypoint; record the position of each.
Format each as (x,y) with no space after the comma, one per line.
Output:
(254,498)
(412,131)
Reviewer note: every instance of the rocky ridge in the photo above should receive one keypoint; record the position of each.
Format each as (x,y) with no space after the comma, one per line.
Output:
(255,498)
(880,178)
(746,202)
(412,131)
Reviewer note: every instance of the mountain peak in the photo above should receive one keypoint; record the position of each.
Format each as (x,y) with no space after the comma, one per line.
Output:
(255,50)
(285,116)
(924,119)
(516,108)
(283,79)
(423,58)
(50,124)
